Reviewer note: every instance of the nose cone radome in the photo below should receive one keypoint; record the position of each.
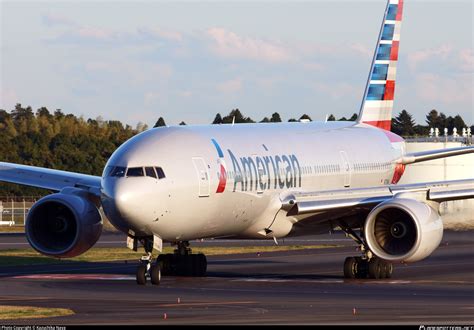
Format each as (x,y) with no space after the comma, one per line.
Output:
(126,203)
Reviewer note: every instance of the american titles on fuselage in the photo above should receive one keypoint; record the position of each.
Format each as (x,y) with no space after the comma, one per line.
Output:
(258,173)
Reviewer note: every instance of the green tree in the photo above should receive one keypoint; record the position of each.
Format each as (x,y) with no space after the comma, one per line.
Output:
(217,119)
(436,120)
(331,118)
(404,124)
(305,116)
(182,123)
(459,123)
(160,122)
(237,117)
(275,118)
(354,117)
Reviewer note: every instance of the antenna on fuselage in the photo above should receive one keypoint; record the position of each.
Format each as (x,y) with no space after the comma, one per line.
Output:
(327,117)
(233,121)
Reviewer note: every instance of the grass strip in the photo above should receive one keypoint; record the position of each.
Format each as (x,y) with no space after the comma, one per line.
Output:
(19,257)
(30,312)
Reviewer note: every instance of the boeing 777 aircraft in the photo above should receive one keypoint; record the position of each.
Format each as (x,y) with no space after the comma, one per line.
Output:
(177,184)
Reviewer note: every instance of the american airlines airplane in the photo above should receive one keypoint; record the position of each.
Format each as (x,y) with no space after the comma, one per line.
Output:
(263,181)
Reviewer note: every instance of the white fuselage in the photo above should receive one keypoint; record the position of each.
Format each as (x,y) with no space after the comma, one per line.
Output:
(229,180)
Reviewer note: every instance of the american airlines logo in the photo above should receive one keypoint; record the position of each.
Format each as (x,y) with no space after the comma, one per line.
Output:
(258,173)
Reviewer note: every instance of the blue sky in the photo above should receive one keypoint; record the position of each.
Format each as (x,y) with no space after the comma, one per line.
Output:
(135,61)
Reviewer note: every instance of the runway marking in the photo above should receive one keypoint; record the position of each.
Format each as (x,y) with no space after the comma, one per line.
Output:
(24,298)
(208,303)
(26,243)
(76,277)
(275,280)
(358,281)
(86,268)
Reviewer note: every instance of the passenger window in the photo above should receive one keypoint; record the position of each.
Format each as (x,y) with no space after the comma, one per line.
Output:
(150,171)
(118,171)
(160,172)
(135,171)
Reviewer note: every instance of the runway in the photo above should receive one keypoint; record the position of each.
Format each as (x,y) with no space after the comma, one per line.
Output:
(297,287)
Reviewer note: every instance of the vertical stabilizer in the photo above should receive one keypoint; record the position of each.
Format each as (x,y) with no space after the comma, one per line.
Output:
(377,104)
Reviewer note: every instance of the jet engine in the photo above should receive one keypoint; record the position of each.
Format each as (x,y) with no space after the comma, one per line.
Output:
(403,229)
(63,225)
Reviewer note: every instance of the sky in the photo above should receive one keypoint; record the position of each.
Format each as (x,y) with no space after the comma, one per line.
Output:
(135,61)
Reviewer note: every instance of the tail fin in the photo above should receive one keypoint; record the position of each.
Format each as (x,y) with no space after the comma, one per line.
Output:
(377,104)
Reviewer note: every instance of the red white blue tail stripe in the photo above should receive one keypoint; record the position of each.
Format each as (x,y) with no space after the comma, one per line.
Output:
(377,104)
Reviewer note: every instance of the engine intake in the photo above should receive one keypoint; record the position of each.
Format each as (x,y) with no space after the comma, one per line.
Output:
(403,229)
(63,225)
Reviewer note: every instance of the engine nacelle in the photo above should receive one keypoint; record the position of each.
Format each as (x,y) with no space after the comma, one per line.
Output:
(403,229)
(64,224)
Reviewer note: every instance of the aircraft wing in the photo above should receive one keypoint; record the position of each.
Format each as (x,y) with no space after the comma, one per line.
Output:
(423,156)
(48,178)
(309,203)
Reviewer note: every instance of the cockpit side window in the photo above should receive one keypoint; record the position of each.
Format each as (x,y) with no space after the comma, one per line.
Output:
(150,171)
(135,171)
(160,172)
(118,171)
(107,171)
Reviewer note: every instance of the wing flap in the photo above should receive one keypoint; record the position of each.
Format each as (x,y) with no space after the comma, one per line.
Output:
(46,178)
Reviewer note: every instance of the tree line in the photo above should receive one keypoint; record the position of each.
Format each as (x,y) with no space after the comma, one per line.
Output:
(403,124)
(67,142)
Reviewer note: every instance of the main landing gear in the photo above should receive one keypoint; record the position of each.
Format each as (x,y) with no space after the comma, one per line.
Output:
(180,263)
(366,266)
(183,262)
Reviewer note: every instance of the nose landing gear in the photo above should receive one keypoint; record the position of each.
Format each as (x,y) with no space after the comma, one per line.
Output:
(148,269)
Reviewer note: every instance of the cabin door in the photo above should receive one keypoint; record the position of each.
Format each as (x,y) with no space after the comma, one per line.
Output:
(202,175)
(346,169)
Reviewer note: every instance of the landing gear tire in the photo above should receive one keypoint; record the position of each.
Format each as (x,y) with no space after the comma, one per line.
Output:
(199,265)
(376,269)
(387,269)
(202,262)
(183,265)
(350,267)
(141,274)
(164,260)
(362,267)
(355,267)
(155,274)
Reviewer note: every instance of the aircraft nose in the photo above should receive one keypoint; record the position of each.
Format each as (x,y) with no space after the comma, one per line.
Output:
(127,202)
(123,199)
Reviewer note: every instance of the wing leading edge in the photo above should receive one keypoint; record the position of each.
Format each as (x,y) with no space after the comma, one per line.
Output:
(46,178)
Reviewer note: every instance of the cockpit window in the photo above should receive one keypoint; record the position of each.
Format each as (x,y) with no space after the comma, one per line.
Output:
(160,172)
(135,171)
(118,171)
(150,171)
(107,171)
